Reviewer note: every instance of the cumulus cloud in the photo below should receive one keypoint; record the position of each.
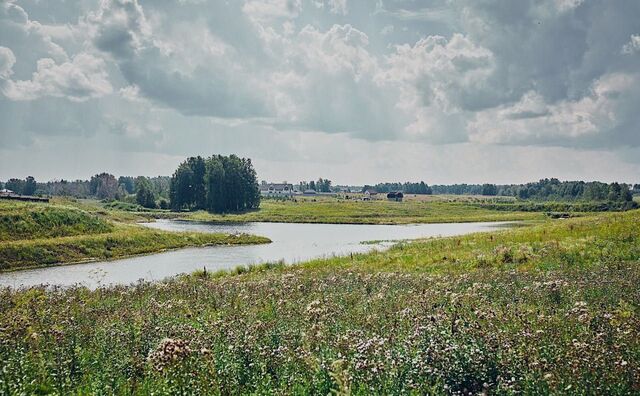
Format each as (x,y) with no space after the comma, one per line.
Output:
(593,119)
(332,85)
(264,11)
(7,60)
(567,5)
(632,46)
(131,93)
(440,71)
(338,7)
(82,78)
(119,27)
(30,39)
(211,85)
(388,29)
(439,81)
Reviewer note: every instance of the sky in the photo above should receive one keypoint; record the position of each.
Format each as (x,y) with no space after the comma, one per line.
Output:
(358,92)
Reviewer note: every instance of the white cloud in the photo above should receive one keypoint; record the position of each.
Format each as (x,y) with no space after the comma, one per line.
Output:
(329,85)
(29,40)
(388,29)
(181,66)
(7,60)
(632,46)
(82,78)
(567,122)
(338,7)
(119,27)
(131,93)
(262,11)
(567,5)
(437,78)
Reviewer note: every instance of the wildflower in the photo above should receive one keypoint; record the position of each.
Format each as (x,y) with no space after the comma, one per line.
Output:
(315,309)
(168,351)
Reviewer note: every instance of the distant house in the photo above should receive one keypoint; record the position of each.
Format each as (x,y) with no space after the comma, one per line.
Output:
(369,194)
(8,194)
(276,190)
(395,196)
(310,192)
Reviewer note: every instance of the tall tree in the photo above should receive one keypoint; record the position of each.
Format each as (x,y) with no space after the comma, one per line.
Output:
(144,193)
(250,185)
(198,167)
(615,192)
(626,194)
(15,185)
(180,191)
(489,189)
(103,186)
(127,184)
(215,185)
(29,186)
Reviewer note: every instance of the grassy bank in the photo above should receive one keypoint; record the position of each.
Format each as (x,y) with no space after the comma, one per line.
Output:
(367,212)
(552,308)
(19,220)
(33,235)
(123,241)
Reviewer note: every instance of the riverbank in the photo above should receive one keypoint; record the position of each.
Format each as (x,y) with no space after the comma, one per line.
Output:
(37,234)
(543,309)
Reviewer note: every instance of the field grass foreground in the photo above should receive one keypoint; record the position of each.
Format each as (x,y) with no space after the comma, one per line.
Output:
(549,309)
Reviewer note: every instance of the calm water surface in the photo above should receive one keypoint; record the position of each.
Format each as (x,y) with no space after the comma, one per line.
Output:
(291,242)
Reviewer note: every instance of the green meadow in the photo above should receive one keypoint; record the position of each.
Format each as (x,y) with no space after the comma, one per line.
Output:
(548,309)
(332,210)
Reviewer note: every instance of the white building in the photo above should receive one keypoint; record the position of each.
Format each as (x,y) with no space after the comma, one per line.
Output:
(276,190)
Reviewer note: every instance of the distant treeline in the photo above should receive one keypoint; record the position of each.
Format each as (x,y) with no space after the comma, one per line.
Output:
(547,190)
(149,192)
(543,190)
(218,184)
(465,189)
(157,191)
(407,188)
(322,185)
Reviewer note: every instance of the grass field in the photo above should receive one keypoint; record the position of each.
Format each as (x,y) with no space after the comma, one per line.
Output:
(322,209)
(439,210)
(38,234)
(547,309)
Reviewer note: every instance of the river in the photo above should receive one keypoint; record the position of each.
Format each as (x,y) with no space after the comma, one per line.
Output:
(291,242)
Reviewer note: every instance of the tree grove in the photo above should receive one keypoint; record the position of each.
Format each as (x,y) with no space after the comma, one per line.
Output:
(219,184)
